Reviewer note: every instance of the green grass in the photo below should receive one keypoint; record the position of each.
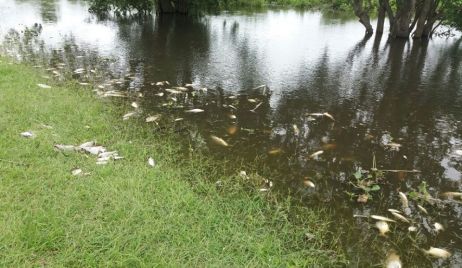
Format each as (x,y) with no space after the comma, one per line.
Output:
(127,214)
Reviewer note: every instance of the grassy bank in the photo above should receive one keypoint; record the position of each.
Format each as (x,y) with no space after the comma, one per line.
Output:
(127,213)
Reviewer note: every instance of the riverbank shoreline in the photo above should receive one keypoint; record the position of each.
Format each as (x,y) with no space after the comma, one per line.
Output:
(129,212)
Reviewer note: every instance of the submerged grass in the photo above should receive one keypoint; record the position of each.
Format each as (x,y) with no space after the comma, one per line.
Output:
(127,213)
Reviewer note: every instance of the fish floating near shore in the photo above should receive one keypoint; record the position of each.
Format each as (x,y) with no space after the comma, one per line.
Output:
(43,86)
(438,253)
(219,141)
(383,227)
(194,111)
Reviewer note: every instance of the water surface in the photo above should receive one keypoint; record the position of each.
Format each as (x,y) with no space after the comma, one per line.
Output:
(397,100)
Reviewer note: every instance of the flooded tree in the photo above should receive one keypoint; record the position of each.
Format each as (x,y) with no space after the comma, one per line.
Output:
(416,18)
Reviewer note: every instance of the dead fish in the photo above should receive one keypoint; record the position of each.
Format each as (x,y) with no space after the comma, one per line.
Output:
(328,116)
(219,141)
(362,198)
(162,83)
(101,87)
(179,119)
(194,111)
(76,171)
(316,154)
(394,210)
(422,209)
(438,227)
(65,148)
(56,73)
(232,116)
(308,183)
(83,84)
(458,152)
(296,130)
(184,89)
(87,144)
(412,229)
(134,105)
(232,107)
(128,115)
(452,194)
(264,190)
(27,134)
(43,86)
(153,118)
(393,146)
(95,150)
(160,94)
(383,227)
(172,91)
(404,200)
(400,217)
(393,261)
(252,100)
(438,253)
(231,130)
(108,154)
(151,162)
(79,70)
(381,218)
(275,151)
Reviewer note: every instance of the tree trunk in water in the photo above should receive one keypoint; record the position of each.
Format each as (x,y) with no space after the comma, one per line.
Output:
(363,16)
(391,16)
(423,16)
(172,6)
(381,16)
(403,18)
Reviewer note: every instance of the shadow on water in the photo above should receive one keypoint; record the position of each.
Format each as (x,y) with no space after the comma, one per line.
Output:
(396,108)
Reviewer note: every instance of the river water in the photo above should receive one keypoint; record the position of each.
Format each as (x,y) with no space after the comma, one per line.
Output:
(396,106)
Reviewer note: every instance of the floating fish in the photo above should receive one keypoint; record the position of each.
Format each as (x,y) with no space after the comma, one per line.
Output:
(381,218)
(438,253)
(400,217)
(43,86)
(153,118)
(438,227)
(452,194)
(79,70)
(316,154)
(134,105)
(308,183)
(232,116)
(252,100)
(151,162)
(219,141)
(275,151)
(264,190)
(231,130)
(412,229)
(172,91)
(393,146)
(296,130)
(184,89)
(383,227)
(128,115)
(76,171)
(328,116)
(404,200)
(162,83)
(194,111)
(393,261)
(179,119)
(160,94)
(27,134)
(422,209)
(83,84)
(394,210)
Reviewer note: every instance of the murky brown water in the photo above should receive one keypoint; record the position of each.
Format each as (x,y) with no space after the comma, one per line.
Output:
(400,101)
